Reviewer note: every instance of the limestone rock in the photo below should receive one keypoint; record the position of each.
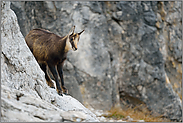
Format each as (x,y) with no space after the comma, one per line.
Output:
(25,94)
(130,52)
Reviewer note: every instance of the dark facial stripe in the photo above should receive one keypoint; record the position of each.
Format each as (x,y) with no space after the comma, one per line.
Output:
(72,43)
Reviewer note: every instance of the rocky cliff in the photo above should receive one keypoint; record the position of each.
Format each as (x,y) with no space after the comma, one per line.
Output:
(25,97)
(130,52)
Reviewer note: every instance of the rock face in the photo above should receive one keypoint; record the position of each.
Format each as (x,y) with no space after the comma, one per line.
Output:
(130,52)
(25,95)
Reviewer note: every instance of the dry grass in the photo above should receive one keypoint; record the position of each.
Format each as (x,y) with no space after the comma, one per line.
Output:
(136,114)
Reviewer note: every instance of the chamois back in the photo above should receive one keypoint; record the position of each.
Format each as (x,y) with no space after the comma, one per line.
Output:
(45,45)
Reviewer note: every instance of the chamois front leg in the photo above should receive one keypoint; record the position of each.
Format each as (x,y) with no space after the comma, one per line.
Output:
(55,75)
(60,71)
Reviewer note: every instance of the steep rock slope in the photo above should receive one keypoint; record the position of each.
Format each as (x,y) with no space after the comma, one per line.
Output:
(130,52)
(24,93)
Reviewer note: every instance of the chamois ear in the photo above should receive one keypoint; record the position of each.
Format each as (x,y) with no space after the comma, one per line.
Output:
(81,32)
(72,30)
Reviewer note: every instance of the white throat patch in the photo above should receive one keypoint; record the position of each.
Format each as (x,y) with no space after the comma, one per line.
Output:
(68,45)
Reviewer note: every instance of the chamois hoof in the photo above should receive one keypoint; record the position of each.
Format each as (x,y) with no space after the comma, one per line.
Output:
(65,91)
(51,84)
(53,87)
(59,92)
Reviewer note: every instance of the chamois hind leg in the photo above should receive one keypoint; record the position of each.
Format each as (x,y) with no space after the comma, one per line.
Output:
(60,71)
(55,75)
(48,80)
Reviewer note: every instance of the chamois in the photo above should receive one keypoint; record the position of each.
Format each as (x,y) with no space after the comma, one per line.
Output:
(51,50)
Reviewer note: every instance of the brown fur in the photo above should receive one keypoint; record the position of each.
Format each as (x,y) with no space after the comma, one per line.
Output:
(51,49)
(46,46)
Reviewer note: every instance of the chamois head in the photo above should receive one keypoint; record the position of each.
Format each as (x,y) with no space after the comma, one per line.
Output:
(73,39)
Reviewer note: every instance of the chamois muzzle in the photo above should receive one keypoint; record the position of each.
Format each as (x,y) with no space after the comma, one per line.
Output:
(74,48)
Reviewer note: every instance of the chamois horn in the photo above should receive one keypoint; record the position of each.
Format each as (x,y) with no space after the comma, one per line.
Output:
(72,30)
(81,32)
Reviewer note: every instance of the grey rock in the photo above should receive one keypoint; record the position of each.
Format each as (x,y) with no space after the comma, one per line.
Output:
(150,18)
(73,86)
(130,52)
(128,12)
(170,37)
(25,95)
(95,7)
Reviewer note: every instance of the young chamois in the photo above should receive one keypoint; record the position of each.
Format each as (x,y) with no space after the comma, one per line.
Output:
(51,50)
